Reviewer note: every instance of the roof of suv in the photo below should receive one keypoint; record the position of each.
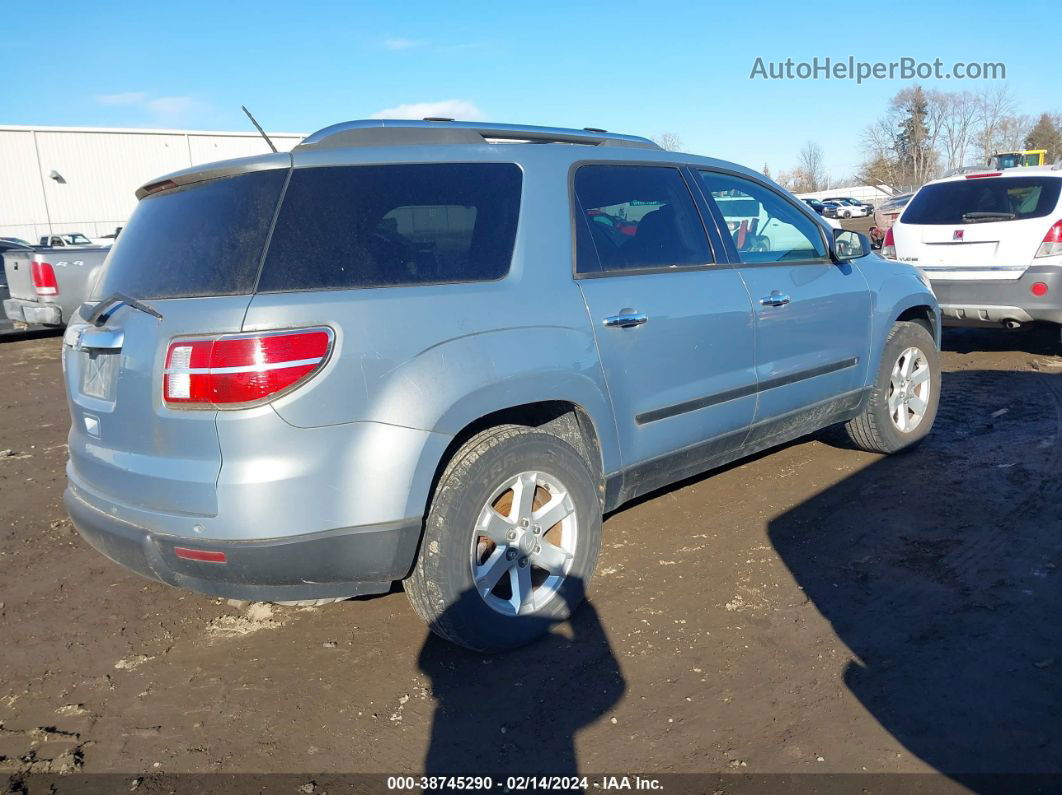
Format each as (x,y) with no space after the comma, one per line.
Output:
(346,138)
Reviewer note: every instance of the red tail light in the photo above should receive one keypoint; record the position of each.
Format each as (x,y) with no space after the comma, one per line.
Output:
(982,176)
(888,246)
(44,279)
(241,370)
(1052,244)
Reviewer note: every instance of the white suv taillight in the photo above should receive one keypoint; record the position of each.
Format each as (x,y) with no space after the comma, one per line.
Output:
(888,246)
(241,370)
(43,278)
(1052,245)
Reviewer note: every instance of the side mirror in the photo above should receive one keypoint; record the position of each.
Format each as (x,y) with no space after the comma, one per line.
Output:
(848,245)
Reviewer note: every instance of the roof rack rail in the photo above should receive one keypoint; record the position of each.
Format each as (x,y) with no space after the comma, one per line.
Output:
(399,132)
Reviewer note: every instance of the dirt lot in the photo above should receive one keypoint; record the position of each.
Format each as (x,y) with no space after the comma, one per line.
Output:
(814,609)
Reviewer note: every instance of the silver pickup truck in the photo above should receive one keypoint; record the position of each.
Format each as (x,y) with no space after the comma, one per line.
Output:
(47,285)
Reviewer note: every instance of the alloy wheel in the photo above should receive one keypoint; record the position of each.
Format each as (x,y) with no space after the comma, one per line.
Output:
(524,543)
(909,389)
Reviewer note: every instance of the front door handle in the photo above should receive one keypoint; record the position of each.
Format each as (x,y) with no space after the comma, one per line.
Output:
(776,298)
(627,318)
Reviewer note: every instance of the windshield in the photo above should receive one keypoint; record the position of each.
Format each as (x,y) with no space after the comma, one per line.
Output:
(983,199)
(202,239)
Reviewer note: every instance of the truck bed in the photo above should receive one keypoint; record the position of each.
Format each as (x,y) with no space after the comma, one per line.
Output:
(75,269)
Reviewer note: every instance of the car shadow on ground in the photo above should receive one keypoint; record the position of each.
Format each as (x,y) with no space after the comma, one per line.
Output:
(518,713)
(941,570)
(9,333)
(1042,339)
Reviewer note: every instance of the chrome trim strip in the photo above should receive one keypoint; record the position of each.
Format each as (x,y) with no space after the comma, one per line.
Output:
(248,368)
(974,268)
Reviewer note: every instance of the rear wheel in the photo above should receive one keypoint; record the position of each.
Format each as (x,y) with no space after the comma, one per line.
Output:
(903,402)
(510,542)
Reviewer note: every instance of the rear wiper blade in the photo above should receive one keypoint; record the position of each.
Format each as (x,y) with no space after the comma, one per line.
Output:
(988,216)
(100,314)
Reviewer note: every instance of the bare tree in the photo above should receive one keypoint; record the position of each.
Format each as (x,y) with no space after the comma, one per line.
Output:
(669,141)
(810,169)
(994,107)
(957,127)
(880,166)
(1012,132)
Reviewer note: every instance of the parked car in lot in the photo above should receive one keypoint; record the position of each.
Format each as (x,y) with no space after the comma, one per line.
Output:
(47,285)
(825,209)
(850,208)
(405,350)
(888,211)
(990,242)
(66,239)
(828,212)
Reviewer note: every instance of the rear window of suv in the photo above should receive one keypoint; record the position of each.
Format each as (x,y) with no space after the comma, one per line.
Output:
(202,239)
(984,199)
(377,226)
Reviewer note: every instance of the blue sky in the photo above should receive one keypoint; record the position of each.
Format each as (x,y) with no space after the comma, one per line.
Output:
(644,67)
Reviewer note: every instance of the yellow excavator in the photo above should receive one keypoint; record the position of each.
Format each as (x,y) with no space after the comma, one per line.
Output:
(1025,157)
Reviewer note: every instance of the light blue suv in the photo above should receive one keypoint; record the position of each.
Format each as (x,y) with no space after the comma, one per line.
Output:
(438,352)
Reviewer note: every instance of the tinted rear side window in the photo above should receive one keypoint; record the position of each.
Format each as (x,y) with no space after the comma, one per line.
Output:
(984,199)
(636,218)
(203,239)
(378,226)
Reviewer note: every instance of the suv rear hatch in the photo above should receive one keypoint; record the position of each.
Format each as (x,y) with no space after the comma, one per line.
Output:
(980,227)
(190,251)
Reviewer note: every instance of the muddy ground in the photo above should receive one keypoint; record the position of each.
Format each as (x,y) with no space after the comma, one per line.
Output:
(814,609)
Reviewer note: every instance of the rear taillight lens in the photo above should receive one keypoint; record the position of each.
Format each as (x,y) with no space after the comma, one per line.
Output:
(44,279)
(1052,245)
(888,246)
(236,371)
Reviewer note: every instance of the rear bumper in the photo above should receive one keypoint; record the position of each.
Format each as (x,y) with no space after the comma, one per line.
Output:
(993,303)
(351,561)
(32,312)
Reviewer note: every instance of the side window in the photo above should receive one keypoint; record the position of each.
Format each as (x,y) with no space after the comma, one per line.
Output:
(634,218)
(345,227)
(764,226)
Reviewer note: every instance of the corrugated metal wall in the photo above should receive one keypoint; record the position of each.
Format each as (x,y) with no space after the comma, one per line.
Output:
(100,169)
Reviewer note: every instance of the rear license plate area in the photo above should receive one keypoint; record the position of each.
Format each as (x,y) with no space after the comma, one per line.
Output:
(99,370)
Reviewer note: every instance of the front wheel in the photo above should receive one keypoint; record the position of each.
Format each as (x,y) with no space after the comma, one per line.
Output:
(903,402)
(510,542)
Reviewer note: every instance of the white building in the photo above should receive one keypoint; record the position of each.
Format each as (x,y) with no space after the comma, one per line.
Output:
(82,179)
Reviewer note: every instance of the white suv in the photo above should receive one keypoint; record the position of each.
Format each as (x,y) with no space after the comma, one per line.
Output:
(991,244)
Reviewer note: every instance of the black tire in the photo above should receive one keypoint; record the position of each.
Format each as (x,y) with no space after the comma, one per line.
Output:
(874,430)
(441,587)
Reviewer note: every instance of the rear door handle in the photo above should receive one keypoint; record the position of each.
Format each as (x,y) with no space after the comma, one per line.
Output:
(627,318)
(776,298)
